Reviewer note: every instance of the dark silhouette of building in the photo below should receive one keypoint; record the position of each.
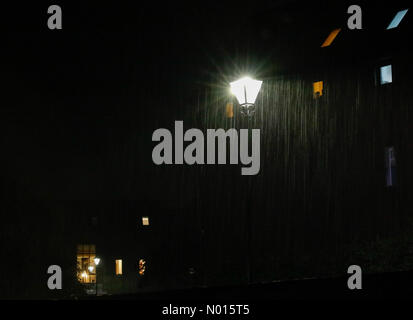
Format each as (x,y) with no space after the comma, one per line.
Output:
(78,181)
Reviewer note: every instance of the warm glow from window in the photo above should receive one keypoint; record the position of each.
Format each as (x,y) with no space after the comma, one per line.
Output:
(317,89)
(145,221)
(86,254)
(142,267)
(330,38)
(230,110)
(119,267)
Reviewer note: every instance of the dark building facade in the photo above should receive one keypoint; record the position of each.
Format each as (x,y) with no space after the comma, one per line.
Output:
(335,175)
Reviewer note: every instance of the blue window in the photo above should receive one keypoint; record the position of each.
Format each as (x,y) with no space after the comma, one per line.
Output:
(386,75)
(390,165)
(397,19)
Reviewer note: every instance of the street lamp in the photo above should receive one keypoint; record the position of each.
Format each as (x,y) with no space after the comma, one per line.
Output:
(96,261)
(246,91)
(84,276)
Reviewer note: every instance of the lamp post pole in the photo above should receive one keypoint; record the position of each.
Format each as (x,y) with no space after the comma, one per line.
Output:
(249,198)
(96,260)
(246,91)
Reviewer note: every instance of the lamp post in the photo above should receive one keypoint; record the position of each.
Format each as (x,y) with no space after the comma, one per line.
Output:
(91,268)
(84,276)
(246,91)
(96,261)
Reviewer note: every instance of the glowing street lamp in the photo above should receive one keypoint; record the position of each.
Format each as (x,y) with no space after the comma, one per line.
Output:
(96,261)
(246,91)
(84,276)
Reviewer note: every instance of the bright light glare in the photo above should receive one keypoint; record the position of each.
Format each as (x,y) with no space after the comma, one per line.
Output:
(96,260)
(246,90)
(90,268)
(397,19)
(84,274)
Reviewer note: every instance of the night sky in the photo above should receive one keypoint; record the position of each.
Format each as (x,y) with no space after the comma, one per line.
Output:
(114,69)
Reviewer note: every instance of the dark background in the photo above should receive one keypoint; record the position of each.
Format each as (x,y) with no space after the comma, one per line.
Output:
(79,106)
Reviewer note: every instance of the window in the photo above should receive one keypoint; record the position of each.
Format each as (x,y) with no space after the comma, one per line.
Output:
(142,267)
(118,267)
(386,75)
(230,110)
(397,19)
(330,38)
(145,221)
(390,165)
(86,253)
(317,89)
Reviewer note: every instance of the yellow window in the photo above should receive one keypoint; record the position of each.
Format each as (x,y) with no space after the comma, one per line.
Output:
(330,38)
(86,253)
(118,267)
(230,110)
(145,221)
(317,89)
(142,267)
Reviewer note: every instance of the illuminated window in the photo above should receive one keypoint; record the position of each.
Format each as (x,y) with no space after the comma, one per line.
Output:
(390,165)
(317,89)
(397,19)
(86,253)
(330,38)
(142,267)
(386,75)
(118,267)
(230,110)
(145,221)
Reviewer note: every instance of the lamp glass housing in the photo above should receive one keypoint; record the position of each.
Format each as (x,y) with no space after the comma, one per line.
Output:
(246,90)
